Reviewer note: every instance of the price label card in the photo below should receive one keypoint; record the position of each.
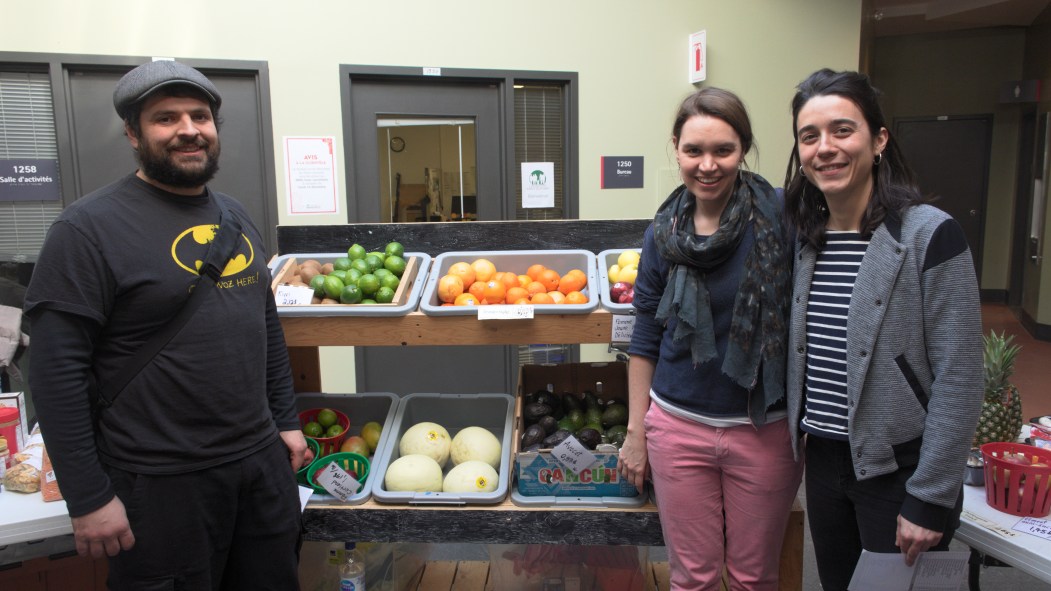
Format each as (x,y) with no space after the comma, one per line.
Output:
(623,326)
(505,312)
(1040,528)
(573,455)
(338,482)
(293,295)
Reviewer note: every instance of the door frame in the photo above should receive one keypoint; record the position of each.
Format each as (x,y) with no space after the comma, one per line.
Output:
(504,81)
(58,67)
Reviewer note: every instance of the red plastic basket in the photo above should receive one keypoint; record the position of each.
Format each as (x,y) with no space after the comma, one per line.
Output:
(328,445)
(1016,488)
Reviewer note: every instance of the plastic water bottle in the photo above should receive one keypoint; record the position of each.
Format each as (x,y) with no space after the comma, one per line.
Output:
(352,571)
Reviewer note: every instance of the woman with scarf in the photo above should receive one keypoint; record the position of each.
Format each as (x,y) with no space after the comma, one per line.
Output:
(707,358)
(885,368)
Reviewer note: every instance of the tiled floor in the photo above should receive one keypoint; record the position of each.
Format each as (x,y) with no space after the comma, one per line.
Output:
(1032,374)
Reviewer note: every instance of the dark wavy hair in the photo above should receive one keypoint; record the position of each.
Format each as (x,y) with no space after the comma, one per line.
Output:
(721,104)
(893,188)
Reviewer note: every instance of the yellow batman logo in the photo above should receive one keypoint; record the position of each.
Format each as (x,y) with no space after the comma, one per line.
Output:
(190,247)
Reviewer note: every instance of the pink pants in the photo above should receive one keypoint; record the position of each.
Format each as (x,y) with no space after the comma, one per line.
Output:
(724,497)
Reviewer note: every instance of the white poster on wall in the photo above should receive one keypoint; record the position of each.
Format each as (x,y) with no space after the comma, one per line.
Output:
(310,175)
(538,184)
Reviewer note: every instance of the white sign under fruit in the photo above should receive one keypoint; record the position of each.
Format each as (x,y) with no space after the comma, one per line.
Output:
(472,476)
(476,443)
(414,473)
(429,439)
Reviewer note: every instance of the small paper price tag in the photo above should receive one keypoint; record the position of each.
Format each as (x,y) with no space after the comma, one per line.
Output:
(1040,528)
(505,312)
(293,295)
(623,326)
(337,482)
(573,455)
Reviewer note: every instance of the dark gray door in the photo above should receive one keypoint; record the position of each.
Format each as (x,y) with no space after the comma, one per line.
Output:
(102,153)
(371,98)
(448,370)
(950,156)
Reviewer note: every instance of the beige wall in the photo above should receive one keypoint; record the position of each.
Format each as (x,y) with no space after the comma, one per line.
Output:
(1037,298)
(960,74)
(630,56)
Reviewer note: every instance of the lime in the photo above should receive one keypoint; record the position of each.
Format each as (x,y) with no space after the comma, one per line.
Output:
(350,294)
(394,249)
(361,266)
(382,271)
(341,274)
(381,255)
(313,429)
(395,264)
(374,261)
(352,276)
(318,285)
(385,295)
(389,280)
(341,263)
(368,283)
(326,417)
(368,301)
(333,286)
(334,431)
(356,251)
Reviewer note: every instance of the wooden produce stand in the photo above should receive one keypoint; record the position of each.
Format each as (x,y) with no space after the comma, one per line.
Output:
(503,523)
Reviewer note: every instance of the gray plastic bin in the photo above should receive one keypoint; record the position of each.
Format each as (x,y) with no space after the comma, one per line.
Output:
(605,260)
(361,408)
(454,412)
(400,307)
(516,261)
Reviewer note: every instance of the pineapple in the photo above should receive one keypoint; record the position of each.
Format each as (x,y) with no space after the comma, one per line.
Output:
(1001,418)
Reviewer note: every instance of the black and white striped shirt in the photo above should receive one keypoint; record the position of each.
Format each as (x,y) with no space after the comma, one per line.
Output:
(826,334)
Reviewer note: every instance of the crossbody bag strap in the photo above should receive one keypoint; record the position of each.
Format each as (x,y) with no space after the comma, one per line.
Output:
(220,251)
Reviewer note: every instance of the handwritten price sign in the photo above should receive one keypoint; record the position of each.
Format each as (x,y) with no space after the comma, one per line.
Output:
(1040,528)
(573,455)
(338,482)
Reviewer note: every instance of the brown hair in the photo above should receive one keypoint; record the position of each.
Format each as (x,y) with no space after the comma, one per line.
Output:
(718,103)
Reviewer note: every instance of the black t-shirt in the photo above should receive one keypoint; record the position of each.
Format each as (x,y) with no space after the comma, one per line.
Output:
(122,260)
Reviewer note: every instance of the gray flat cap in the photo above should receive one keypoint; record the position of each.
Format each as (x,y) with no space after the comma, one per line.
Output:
(137,84)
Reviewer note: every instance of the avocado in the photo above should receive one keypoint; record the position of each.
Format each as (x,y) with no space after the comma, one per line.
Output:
(567,423)
(532,413)
(589,438)
(571,401)
(555,438)
(615,414)
(549,423)
(593,415)
(534,435)
(578,419)
(616,434)
(590,400)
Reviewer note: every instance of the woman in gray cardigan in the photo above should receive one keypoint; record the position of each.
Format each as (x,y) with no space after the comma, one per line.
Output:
(885,354)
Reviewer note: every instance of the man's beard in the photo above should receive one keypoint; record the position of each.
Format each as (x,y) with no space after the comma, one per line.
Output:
(160,166)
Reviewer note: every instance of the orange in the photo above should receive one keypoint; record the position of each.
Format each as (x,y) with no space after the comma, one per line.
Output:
(477,289)
(575,297)
(541,298)
(521,302)
(549,278)
(534,271)
(558,296)
(524,280)
(509,280)
(516,293)
(449,286)
(534,288)
(494,292)
(574,280)
(463,271)
(466,299)
(484,269)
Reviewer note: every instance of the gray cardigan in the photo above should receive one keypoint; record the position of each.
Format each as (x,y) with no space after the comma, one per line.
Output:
(914,358)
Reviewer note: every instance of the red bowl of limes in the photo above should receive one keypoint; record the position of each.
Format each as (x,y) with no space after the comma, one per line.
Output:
(327,419)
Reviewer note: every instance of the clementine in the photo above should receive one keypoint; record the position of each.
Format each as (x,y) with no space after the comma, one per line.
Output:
(516,293)
(558,296)
(463,271)
(466,299)
(494,292)
(541,298)
(524,280)
(575,297)
(549,278)
(477,289)
(509,280)
(534,271)
(535,287)
(574,280)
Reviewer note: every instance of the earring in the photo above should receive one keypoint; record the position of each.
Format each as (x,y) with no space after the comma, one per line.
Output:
(801,173)
(878,160)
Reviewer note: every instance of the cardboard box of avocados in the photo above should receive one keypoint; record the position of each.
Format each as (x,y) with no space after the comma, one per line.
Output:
(539,473)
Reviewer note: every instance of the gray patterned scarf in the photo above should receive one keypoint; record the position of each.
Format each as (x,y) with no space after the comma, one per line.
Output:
(759,327)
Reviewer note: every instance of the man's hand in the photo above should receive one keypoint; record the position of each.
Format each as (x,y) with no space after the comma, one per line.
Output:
(913,539)
(299,454)
(103,532)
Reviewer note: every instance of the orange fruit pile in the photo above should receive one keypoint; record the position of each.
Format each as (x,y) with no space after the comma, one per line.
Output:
(479,283)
